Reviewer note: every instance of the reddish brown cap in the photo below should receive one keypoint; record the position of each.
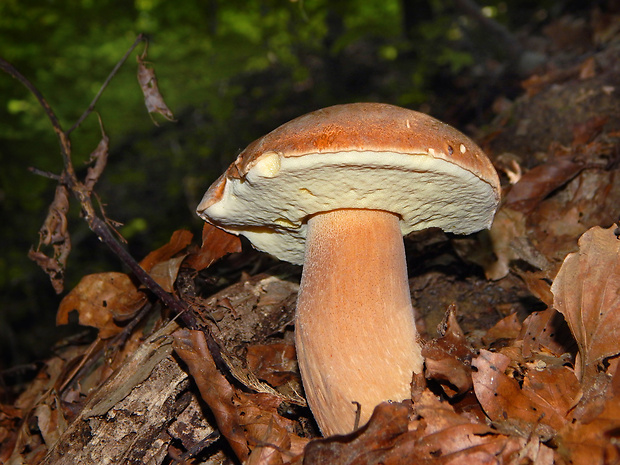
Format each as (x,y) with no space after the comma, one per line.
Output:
(361,155)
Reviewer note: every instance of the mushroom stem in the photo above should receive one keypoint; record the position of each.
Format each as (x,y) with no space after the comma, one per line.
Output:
(355,330)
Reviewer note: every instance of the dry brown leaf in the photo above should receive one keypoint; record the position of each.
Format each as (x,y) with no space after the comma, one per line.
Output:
(50,420)
(588,130)
(215,244)
(97,298)
(152,97)
(506,404)
(54,232)
(247,421)
(368,445)
(508,327)
(539,182)
(587,292)
(100,159)
(596,442)
(165,273)
(179,241)
(435,435)
(448,358)
(545,332)
(273,363)
(507,227)
(556,387)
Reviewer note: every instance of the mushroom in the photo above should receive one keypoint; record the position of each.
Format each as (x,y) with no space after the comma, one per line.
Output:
(335,190)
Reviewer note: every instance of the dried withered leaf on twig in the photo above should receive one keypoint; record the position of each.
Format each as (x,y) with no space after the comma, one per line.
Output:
(100,159)
(98,299)
(54,232)
(586,291)
(152,97)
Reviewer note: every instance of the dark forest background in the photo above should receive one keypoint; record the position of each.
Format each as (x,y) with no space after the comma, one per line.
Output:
(230,71)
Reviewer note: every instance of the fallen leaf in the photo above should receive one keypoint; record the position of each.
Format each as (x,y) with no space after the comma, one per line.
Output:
(586,291)
(50,420)
(368,445)
(588,130)
(508,226)
(215,244)
(539,182)
(508,327)
(179,241)
(165,273)
(587,69)
(506,404)
(98,298)
(595,442)
(448,357)
(556,387)
(274,363)
(546,332)
(249,422)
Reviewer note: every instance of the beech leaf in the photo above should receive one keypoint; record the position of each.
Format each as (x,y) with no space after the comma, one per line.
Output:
(99,299)
(586,291)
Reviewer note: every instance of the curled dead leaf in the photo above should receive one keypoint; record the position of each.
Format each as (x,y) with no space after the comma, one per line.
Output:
(148,83)
(100,158)
(54,232)
(215,244)
(448,358)
(179,241)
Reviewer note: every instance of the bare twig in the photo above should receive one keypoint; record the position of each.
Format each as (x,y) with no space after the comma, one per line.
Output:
(91,107)
(82,193)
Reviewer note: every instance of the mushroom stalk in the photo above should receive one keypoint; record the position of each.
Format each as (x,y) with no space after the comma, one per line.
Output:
(355,329)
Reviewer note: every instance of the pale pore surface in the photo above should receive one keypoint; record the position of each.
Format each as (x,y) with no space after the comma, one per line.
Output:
(355,331)
(271,203)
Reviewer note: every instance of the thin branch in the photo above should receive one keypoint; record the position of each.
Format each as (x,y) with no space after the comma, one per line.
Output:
(64,142)
(46,174)
(95,223)
(91,107)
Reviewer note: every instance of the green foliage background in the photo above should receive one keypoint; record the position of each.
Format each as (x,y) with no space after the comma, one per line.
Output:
(231,71)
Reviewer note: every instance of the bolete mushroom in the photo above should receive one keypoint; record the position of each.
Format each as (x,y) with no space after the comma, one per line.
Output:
(335,190)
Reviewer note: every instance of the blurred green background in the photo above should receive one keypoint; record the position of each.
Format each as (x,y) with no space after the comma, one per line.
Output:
(230,71)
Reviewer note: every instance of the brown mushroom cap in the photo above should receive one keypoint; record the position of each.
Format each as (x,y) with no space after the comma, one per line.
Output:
(361,155)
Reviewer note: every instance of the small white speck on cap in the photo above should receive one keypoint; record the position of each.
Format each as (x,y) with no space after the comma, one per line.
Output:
(408,125)
(463,148)
(431,151)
